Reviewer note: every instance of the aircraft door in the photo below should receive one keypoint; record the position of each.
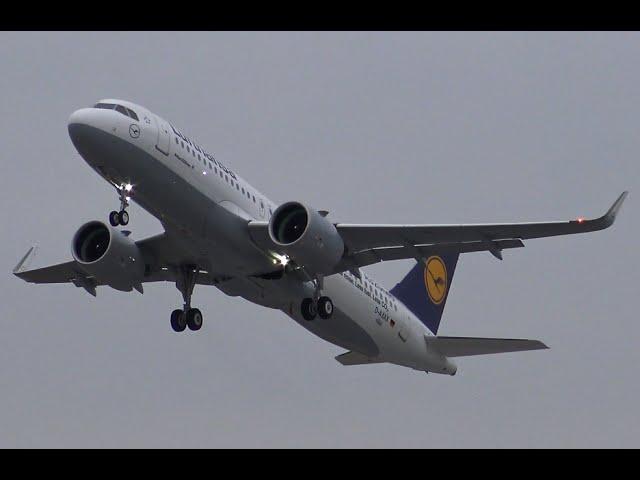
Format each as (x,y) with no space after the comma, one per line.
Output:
(164,136)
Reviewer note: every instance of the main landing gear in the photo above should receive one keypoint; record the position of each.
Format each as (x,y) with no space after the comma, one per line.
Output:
(121,217)
(318,305)
(187,316)
(310,308)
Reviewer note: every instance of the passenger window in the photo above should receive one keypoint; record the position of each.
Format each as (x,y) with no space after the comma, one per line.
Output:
(177,142)
(254,199)
(237,187)
(182,144)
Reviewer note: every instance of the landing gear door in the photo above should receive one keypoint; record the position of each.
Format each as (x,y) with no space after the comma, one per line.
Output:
(164,136)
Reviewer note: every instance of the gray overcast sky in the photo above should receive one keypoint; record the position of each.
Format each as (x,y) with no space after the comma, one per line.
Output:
(375,127)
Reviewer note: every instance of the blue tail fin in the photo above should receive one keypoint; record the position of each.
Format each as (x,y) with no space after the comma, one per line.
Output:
(424,290)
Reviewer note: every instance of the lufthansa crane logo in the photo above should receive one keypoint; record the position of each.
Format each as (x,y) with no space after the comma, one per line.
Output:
(435,279)
(134,130)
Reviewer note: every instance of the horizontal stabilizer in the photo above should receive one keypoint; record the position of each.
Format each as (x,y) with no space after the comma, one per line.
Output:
(355,358)
(467,346)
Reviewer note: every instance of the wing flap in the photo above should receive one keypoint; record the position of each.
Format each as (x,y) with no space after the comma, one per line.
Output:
(384,254)
(468,346)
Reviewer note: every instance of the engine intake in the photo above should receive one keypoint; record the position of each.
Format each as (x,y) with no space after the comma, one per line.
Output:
(307,237)
(107,254)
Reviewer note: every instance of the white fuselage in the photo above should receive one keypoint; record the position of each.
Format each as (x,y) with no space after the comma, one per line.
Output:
(204,207)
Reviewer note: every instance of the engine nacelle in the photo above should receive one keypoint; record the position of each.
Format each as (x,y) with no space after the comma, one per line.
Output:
(107,254)
(307,237)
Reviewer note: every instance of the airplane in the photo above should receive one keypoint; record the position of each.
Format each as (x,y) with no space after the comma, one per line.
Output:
(221,231)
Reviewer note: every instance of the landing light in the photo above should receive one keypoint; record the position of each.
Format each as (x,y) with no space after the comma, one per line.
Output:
(283,259)
(128,187)
(580,219)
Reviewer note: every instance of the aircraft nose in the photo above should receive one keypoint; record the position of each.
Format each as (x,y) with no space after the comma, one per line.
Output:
(86,129)
(79,119)
(78,122)
(83,125)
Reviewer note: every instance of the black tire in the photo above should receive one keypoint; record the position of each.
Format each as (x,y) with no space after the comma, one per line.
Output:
(308,309)
(325,307)
(123,217)
(178,321)
(114,219)
(194,319)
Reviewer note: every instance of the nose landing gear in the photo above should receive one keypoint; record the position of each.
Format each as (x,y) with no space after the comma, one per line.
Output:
(121,217)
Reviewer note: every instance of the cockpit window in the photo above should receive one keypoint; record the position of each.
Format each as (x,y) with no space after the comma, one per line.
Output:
(119,108)
(122,110)
(106,106)
(132,114)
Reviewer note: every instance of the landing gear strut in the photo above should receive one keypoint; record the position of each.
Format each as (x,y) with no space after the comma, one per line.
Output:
(187,317)
(121,217)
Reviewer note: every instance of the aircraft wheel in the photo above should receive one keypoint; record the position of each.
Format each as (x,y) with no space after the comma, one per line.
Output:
(308,309)
(325,307)
(114,219)
(123,217)
(194,319)
(178,321)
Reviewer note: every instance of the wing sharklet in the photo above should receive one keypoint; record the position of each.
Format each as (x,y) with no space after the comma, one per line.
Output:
(28,257)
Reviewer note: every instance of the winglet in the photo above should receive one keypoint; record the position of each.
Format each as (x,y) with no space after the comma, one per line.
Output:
(606,220)
(25,260)
(611,214)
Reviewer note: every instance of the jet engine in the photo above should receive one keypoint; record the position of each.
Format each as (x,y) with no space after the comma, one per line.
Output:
(109,255)
(307,237)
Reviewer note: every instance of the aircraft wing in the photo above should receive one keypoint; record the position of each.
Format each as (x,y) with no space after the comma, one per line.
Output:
(67,272)
(60,273)
(369,244)
(363,237)
(158,251)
